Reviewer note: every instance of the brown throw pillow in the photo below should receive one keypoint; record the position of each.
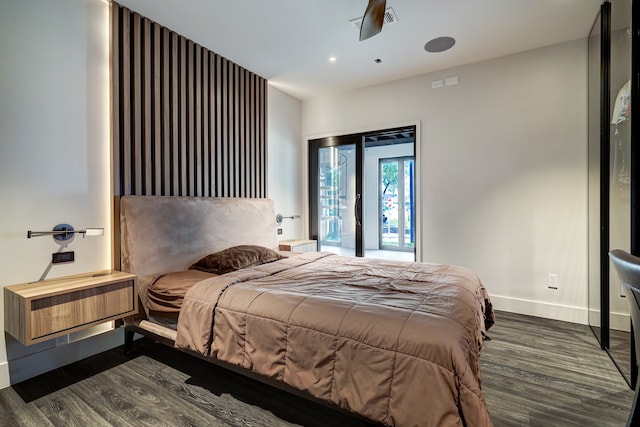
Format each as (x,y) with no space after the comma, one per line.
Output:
(236,258)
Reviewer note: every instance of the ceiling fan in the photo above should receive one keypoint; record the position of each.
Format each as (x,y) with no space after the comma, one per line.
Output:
(373,19)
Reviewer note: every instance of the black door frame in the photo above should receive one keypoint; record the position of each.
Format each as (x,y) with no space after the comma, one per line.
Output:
(335,141)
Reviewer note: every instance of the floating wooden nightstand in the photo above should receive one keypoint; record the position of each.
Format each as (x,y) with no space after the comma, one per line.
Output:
(40,311)
(298,245)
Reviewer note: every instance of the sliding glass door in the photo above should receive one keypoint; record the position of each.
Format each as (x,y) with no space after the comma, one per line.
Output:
(355,183)
(336,194)
(337,199)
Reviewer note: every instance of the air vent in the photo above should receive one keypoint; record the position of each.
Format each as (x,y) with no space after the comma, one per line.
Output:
(390,17)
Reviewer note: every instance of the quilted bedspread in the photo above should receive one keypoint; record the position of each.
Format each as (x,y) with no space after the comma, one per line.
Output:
(396,342)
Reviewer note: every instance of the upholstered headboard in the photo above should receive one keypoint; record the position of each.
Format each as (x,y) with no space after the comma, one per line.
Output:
(160,234)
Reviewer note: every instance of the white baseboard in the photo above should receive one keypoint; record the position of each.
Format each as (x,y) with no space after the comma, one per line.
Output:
(618,321)
(4,375)
(541,309)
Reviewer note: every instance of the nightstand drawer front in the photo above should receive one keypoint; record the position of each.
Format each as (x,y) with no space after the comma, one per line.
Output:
(304,247)
(57,313)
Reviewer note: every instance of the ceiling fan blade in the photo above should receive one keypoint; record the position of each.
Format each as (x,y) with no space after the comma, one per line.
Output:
(373,19)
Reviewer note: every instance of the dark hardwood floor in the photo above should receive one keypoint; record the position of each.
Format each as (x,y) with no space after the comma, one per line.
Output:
(540,372)
(536,372)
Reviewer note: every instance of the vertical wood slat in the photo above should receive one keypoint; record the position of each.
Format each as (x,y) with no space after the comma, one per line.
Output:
(235,100)
(116,66)
(165,84)
(186,121)
(218,124)
(243,134)
(213,138)
(189,117)
(224,96)
(234,125)
(136,95)
(239,142)
(125,105)
(206,130)
(175,118)
(252,135)
(230,135)
(197,122)
(147,109)
(157,140)
(183,142)
(116,52)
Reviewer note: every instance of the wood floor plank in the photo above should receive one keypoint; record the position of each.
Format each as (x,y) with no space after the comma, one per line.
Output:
(66,409)
(28,416)
(143,402)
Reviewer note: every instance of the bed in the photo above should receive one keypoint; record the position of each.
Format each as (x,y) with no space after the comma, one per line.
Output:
(395,342)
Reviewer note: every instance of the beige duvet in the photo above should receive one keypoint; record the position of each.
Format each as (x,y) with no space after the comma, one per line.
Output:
(398,343)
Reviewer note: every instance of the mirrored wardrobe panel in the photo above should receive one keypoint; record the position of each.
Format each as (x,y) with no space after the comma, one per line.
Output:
(620,177)
(612,218)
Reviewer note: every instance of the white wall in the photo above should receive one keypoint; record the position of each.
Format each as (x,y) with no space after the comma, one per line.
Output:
(503,161)
(54,155)
(285,162)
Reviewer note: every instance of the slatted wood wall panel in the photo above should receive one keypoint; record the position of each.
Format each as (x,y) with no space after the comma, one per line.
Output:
(186,121)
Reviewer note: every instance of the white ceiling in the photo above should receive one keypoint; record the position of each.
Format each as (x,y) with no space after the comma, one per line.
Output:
(289,42)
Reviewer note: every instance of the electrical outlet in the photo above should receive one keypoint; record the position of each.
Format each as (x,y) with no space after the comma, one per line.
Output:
(552,281)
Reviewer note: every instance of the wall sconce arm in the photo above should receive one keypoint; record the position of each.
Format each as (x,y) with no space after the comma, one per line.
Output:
(63,232)
(279,218)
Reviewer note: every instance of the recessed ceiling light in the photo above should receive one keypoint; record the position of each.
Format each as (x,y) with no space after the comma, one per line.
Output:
(439,44)
(332,59)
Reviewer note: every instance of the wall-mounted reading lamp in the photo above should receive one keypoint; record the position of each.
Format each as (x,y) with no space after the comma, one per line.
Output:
(279,218)
(62,232)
